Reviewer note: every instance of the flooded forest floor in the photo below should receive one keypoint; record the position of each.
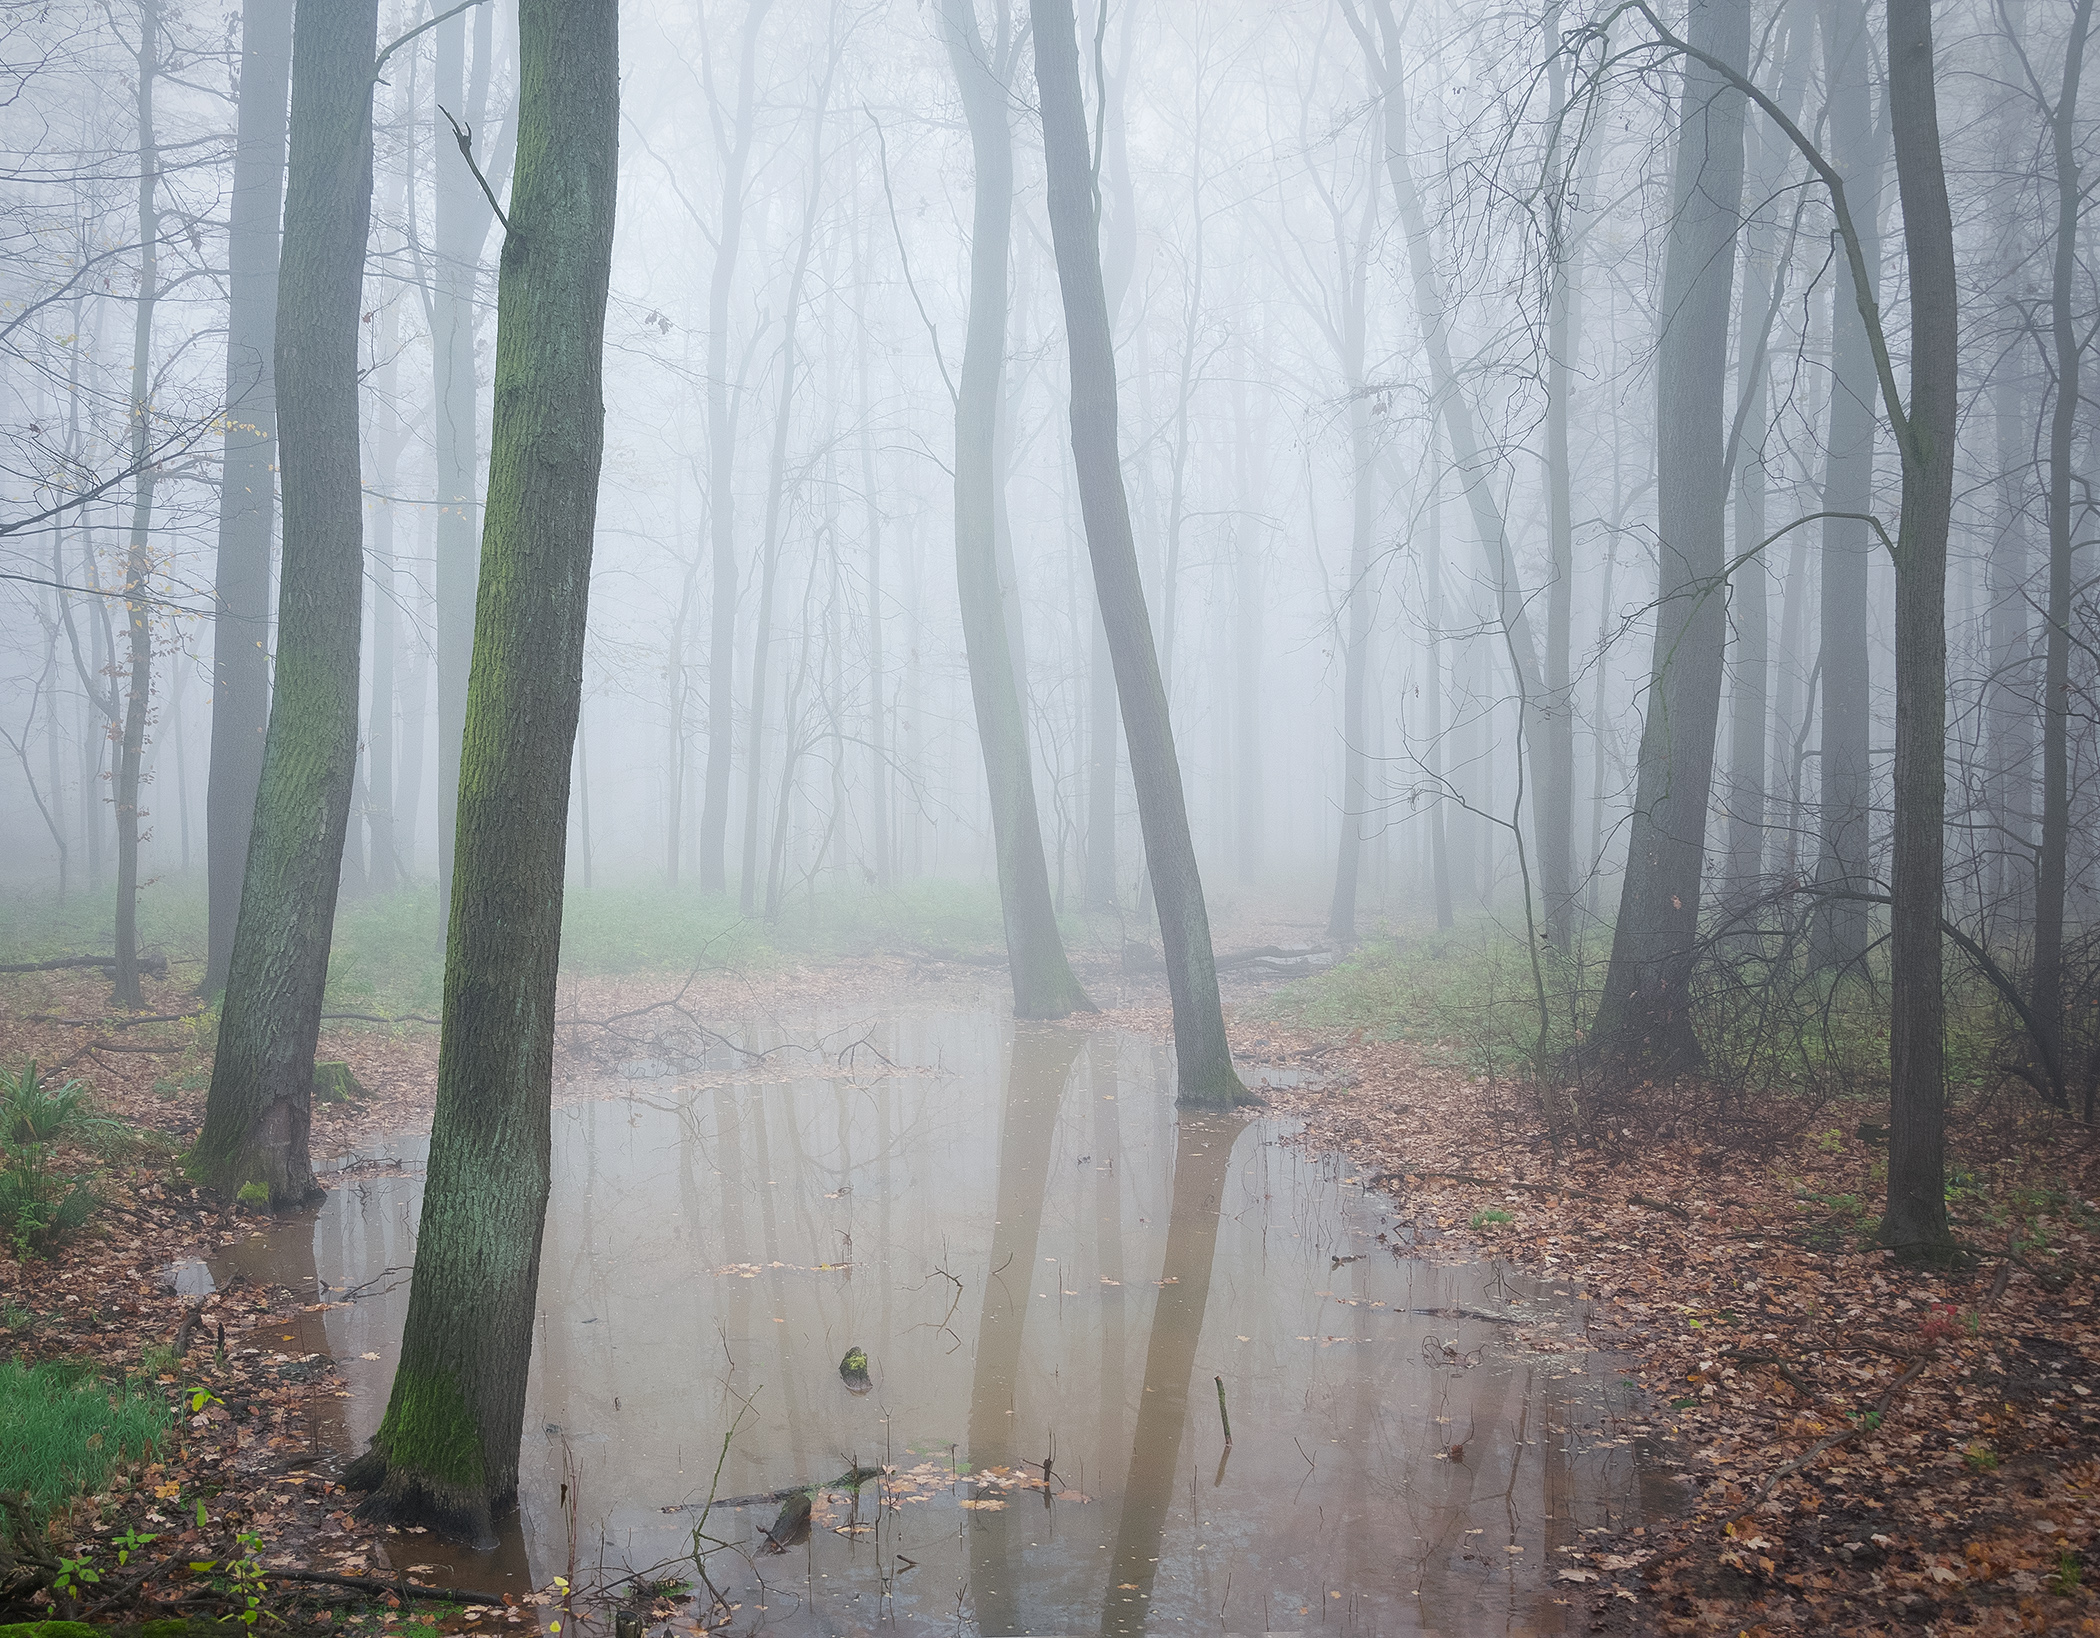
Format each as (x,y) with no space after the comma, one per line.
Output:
(1857,1445)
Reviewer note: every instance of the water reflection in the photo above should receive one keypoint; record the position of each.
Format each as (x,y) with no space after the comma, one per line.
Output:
(1047,1270)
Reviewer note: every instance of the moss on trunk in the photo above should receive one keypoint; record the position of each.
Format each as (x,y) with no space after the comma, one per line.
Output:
(446,1454)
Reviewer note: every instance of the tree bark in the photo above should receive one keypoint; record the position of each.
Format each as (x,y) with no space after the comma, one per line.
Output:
(255,1123)
(240,689)
(1553,761)
(1433,693)
(1844,833)
(1204,1071)
(1766,159)
(1357,597)
(460,221)
(1118,263)
(1644,1017)
(1916,1219)
(1043,983)
(2050,864)
(446,1454)
(138,561)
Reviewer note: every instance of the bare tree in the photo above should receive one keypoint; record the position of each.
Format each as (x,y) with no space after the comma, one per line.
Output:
(1204,1071)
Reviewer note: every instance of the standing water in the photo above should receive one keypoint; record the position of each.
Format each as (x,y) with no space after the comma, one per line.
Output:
(1050,1271)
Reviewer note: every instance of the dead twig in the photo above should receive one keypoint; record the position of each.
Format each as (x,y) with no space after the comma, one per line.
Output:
(1832,1441)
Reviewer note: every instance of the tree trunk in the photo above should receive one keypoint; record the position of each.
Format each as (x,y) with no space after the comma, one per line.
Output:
(415,717)
(1766,160)
(446,1454)
(735,146)
(2050,871)
(1433,693)
(1916,1218)
(255,1123)
(1844,826)
(1043,983)
(1248,611)
(878,724)
(1644,1018)
(1204,1069)
(776,496)
(461,224)
(138,562)
(240,689)
(1454,409)
(2009,702)
(1553,761)
(1118,263)
(1357,598)
(382,876)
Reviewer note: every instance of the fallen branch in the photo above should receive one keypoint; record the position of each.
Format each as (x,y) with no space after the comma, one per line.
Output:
(1405,1173)
(112,1022)
(852,1479)
(374,1018)
(155,964)
(402,1588)
(1832,1441)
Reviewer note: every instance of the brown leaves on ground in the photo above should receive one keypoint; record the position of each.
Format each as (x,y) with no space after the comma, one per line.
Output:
(1768,1332)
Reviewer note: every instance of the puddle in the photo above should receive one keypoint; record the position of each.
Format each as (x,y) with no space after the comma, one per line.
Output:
(1048,1273)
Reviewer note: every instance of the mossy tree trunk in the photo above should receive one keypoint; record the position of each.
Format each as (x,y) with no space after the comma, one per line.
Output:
(255,1125)
(1204,1071)
(446,1453)
(1043,983)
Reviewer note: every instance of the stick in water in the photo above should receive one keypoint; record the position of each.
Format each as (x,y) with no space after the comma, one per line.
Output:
(1222,1417)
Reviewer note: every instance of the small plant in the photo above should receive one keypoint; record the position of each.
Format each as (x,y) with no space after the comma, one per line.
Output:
(1491,1217)
(39,1204)
(2070,1573)
(1980,1458)
(128,1543)
(1831,1142)
(240,1575)
(73,1574)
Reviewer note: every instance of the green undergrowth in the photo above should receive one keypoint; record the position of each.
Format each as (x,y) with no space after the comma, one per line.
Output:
(388,955)
(1463,994)
(1467,997)
(63,1427)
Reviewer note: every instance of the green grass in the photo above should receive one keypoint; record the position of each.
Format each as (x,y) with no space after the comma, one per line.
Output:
(1465,994)
(62,1428)
(388,955)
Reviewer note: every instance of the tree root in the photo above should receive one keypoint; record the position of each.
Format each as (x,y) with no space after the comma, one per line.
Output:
(398,1495)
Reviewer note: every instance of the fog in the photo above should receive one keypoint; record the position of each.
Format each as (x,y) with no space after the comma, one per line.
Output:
(1406,678)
